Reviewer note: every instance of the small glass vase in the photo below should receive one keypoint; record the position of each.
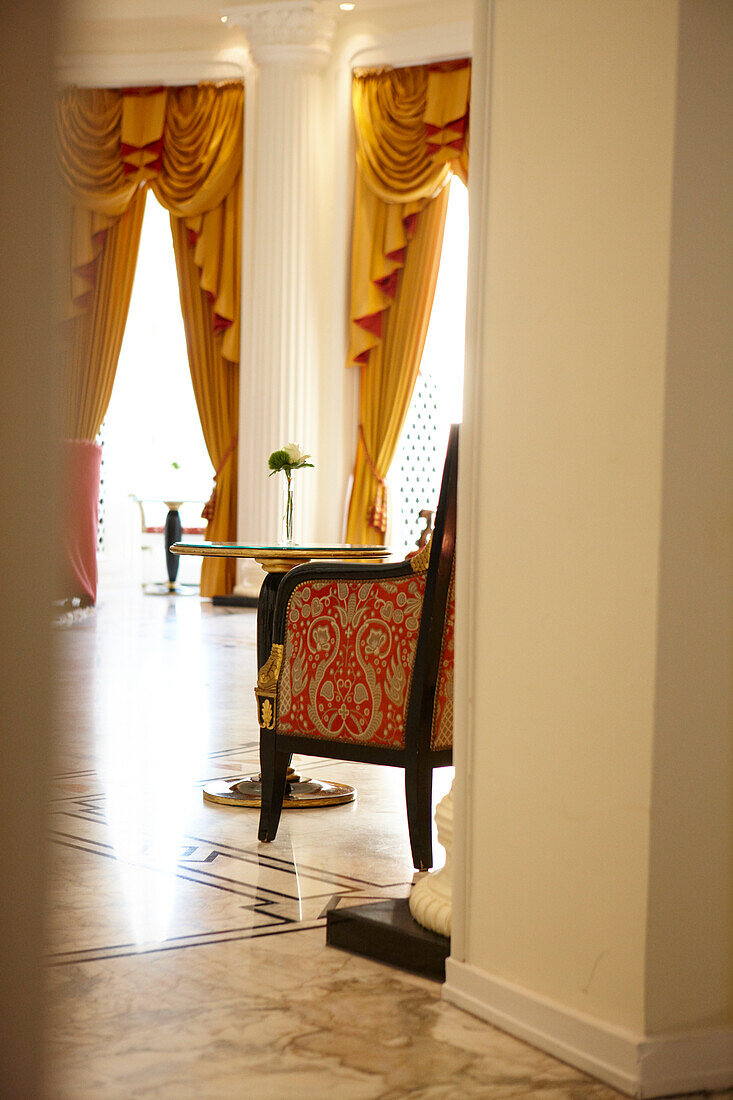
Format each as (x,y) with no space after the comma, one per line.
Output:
(287,532)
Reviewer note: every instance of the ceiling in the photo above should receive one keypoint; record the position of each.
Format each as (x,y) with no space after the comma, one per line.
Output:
(199,10)
(139,27)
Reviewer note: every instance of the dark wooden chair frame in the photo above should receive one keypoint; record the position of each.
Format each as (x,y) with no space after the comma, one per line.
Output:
(417,757)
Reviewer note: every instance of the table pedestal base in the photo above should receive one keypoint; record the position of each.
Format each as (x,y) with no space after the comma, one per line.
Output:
(277,561)
(170,588)
(301,793)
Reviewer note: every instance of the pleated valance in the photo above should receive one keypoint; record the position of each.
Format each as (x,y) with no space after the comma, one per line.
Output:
(186,143)
(411,135)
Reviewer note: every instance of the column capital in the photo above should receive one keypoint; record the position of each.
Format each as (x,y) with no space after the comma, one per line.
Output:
(286,31)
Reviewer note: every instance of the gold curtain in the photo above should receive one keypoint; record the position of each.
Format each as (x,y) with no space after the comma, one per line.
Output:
(388,382)
(97,186)
(95,338)
(412,134)
(185,143)
(200,183)
(216,388)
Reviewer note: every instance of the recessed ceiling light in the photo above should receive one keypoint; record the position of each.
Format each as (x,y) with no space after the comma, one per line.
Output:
(225,18)
(347,7)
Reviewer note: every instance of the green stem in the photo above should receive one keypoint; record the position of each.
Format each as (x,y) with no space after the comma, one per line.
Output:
(289,509)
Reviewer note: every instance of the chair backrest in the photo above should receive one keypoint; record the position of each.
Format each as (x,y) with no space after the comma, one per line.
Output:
(435,602)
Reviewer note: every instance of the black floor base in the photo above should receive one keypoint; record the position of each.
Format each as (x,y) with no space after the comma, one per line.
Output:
(387,932)
(168,588)
(234,601)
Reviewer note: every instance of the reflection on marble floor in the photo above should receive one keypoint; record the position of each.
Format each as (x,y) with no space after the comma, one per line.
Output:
(163,891)
(155,699)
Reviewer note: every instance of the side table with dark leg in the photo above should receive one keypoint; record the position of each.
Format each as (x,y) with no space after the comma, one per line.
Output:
(172,533)
(300,792)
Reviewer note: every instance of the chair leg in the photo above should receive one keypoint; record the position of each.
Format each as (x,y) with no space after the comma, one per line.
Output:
(273,770)
(419,798)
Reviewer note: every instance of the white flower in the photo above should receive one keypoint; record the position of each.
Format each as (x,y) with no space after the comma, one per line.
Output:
(294,453)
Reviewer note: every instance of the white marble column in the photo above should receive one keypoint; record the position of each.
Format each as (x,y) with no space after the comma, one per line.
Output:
(431,896)
(290,47)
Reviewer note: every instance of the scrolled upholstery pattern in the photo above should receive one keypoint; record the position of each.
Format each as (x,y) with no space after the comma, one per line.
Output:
(348,659)
(441,736)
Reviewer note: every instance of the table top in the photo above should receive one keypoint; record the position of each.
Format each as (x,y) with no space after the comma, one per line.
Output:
(281,557)
(172,503)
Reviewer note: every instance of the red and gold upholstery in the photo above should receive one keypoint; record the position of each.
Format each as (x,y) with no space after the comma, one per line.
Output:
(441,734)
(348,658)
(361,668)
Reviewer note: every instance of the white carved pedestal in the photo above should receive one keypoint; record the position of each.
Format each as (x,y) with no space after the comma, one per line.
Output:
(430,898)
(388,930)
(290,45)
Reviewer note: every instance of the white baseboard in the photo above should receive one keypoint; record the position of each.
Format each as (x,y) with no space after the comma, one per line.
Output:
(638,1065)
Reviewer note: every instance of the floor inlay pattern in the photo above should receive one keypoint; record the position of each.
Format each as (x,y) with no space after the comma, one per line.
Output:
(271,893)
(155,699)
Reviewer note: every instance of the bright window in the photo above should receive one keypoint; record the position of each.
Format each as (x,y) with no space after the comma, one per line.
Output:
(152,421)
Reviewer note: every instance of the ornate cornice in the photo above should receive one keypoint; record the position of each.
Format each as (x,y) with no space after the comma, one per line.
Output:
(295,31)
(122,70)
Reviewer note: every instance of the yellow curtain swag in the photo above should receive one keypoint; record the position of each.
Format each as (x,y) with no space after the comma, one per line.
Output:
(411,136)
(186,144)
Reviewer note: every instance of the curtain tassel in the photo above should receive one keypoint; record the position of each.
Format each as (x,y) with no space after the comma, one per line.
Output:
(210,506)
(377,514)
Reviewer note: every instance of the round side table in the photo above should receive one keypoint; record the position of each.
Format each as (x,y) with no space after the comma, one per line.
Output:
(277,559)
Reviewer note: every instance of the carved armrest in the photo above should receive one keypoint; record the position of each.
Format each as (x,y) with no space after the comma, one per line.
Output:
(266,690)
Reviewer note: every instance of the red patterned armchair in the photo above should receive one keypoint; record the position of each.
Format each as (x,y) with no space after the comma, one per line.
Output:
(361,668)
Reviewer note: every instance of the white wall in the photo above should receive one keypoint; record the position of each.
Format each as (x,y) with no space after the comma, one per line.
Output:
(690,927)
(569,483)
(590,679)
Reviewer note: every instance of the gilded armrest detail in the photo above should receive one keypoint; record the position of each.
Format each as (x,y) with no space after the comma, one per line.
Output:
(420,562)
(266,690)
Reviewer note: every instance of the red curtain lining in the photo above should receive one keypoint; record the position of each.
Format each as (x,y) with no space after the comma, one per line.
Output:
(374,322)
(82,462)
(219,323)
(88,271)
(458,124)
(155,147)
(449,66)
(143,91)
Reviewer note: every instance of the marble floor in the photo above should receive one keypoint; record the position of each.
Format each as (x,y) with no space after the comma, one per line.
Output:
(186,958)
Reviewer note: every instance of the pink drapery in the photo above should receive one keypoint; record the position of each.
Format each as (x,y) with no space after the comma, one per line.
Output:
(82,462)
